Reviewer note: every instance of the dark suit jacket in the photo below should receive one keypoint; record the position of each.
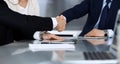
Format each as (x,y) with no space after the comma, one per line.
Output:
(93,9)
(16,26)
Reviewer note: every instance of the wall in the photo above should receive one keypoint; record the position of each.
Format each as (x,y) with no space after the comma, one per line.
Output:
(52,8)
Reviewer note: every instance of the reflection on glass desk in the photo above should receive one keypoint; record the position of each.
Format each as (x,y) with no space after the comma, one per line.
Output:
(89,51)
(93,44)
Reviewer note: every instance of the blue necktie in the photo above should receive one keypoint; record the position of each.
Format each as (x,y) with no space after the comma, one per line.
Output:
(104,15)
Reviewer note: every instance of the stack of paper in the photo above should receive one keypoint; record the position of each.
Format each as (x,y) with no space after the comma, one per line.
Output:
(51,47)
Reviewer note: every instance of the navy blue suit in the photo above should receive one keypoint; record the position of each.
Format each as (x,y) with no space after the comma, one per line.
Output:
(93,9)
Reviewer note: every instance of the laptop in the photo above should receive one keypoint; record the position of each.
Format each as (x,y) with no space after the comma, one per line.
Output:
(95,57)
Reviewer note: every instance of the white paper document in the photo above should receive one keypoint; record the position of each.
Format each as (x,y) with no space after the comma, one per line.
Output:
(51,47)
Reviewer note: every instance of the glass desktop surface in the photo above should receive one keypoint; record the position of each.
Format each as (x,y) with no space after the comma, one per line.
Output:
(19,53)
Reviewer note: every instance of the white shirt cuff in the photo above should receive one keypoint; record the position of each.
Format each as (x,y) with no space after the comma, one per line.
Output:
(110,33)
(54,22)
(37,35)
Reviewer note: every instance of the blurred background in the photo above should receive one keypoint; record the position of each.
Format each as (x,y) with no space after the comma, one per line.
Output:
(52,8)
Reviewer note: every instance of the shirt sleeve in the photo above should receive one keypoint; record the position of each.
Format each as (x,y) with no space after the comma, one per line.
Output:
(54,22)
(110,33)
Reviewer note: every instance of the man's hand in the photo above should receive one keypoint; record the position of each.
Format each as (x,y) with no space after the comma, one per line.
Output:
(48,36)
(95,33)
(61,23)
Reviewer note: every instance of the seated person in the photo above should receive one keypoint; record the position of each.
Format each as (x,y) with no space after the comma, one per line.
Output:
(101,16)
(15,26)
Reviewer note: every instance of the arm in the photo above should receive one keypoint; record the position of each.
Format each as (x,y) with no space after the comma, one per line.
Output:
(100,33)
(77,11)
(16,20)
(25,24)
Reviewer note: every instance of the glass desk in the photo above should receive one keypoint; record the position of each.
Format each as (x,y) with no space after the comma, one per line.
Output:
(19,53)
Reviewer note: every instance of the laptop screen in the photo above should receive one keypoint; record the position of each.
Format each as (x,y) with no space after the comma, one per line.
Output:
(114,42)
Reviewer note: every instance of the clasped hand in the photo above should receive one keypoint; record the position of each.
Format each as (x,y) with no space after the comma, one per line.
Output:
(61,23)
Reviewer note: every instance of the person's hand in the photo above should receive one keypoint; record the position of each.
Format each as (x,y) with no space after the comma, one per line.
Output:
(95,33)
(48,36)
(61,23)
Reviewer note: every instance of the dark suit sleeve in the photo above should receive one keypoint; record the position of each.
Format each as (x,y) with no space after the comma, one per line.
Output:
(77,11)
(25,24)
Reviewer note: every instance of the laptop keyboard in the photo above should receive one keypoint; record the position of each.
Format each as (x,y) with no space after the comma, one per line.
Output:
(98,55)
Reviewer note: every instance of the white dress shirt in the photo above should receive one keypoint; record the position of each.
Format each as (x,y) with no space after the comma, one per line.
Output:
(110,31)
(104,3)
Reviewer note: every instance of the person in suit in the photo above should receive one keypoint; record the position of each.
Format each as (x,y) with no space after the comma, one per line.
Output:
(94,9)
(27,7)
(15,26)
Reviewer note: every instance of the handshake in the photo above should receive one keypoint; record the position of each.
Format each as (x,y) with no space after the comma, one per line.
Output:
(61,23)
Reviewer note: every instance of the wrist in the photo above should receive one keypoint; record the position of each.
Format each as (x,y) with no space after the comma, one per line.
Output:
(109,33)
(42,34)
(106,32)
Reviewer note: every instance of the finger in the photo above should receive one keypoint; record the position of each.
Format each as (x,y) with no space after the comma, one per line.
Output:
(56,40)
(61,29)
(57,37)
(85,35)
(46,37)
(58,17)
(62,17)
